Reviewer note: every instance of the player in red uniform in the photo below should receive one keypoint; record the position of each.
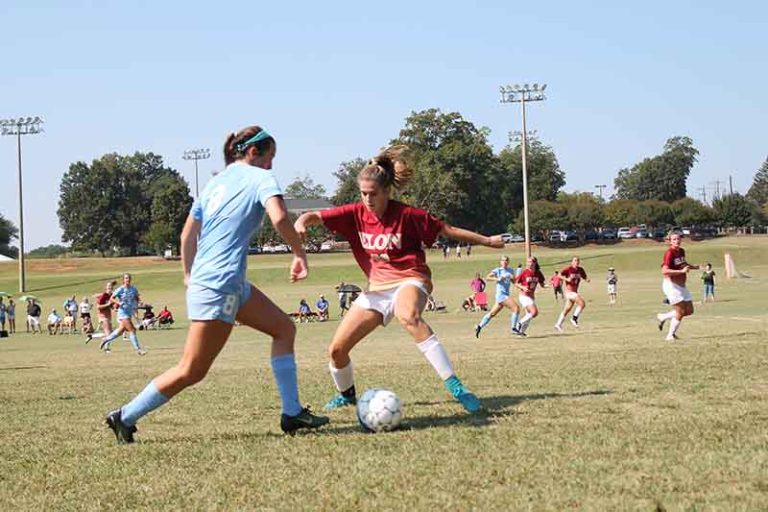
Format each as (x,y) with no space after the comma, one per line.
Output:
(572,274)
(386,237)
(526,282)
(675,270)
(104,308)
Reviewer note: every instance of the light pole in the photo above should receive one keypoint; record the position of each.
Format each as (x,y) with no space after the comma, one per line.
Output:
(522,94)
(196,154)
(600,188)
(19,127)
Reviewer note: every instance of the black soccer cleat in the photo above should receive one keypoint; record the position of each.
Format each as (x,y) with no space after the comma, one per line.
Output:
(123,432)
(305,419)
(477,330)
(88,339)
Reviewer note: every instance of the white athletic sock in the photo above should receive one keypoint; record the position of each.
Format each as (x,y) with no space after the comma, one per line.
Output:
(663,317)
(525,322)
(560,320)
(342,377)
(577,311)
(437,356)
(673,325)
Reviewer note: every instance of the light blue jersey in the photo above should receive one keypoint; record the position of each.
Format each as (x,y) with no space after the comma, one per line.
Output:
(504,277)
(129,301)
(231,209)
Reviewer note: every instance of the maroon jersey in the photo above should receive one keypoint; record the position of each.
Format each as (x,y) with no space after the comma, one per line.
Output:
(530,279)
(573,277)
(387,249)
(101,300)
(674,259)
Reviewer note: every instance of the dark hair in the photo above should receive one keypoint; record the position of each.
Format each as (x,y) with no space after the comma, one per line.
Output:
(231,151)
(388,169)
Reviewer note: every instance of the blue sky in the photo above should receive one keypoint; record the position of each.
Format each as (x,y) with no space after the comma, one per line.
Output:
(335,80)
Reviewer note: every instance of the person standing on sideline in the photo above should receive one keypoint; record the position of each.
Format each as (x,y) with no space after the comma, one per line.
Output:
(469,250)
(11,312)
(572,274)
(557,285)
(214,254)
(127,299)
(708,277)
(458,251)
(3,313)
(33,316)
(612,281)
(503,276)
(387,239)
(675,270)
(527,282)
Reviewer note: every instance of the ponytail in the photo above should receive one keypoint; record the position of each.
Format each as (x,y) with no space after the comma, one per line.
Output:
(236,144)
(389,168)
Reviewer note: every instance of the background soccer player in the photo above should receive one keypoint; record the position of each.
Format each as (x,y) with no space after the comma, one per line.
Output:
(572,274)
(530,278)
(675,270)
(503,276)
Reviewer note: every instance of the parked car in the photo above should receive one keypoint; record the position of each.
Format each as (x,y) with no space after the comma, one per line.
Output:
(659,233)
(506,238)
(641,233)
(555,236)
(254,249)
(609,234)
(326,246)
(569,236)
(536,237)
(625,232)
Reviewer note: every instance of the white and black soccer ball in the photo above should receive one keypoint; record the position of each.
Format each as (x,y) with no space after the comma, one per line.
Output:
(379,410)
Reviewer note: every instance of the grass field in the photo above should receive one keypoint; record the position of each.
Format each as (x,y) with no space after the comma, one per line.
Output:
(607,417)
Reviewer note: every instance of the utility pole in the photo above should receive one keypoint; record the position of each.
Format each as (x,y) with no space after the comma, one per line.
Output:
(703,194)
(522,94)
(730,183)
(196,154)
(19,127)
(600,188)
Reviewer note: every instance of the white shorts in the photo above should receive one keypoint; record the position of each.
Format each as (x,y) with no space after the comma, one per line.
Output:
(612,289)
(571,296)
(676,293)
(384,301)
(33,321)
(525,301)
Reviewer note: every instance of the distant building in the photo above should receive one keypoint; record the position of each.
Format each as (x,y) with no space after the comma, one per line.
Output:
(299,206)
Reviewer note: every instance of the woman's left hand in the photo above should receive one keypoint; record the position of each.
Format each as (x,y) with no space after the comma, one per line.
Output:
(496,242)
(299,268)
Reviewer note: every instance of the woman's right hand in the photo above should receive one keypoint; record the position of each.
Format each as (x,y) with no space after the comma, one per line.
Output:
(299,268)
(301,228)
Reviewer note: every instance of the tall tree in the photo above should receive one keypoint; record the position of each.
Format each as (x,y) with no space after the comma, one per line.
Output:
(346,182)
(8,232)
(652,213)
(171,201)
(619,212)
(545,178)
(543,216)
(304,188)
(108,204)
(662,177)
(690,212)
(758,192)
(584,210)
(457,175)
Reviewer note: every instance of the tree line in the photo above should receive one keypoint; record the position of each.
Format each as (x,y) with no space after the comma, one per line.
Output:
(134,204)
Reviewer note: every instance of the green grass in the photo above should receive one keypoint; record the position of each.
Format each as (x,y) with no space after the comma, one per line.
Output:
(609,417)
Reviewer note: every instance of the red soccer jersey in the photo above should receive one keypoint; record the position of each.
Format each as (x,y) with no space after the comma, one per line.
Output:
(530,279)
(102,299)
(555,281)
(387,249)
(674,259)
(573,277)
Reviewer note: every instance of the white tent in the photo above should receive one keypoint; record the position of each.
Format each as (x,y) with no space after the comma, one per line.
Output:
(5,258)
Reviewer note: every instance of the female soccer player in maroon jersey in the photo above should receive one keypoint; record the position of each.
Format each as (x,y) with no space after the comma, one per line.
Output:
(675,270)
(386,237)
(526,282)
(572,274)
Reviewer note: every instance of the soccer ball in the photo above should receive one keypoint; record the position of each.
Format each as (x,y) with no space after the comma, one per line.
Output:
(379,410)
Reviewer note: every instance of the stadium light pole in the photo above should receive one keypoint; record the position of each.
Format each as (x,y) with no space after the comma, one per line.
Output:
(19,127)
(196,154)
(600,188)
(523,94)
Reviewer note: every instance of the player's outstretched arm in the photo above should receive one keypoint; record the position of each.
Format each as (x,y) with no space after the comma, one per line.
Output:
(279,216)
(304,221)
(470,237)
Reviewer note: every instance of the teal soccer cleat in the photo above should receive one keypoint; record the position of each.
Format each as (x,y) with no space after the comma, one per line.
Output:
(340,401)
(464,396)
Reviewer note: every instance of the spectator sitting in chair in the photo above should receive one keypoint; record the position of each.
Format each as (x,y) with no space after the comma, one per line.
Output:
(148,319)
(469,303)
(165,317)
(54,322)
(322,308)
(305,313)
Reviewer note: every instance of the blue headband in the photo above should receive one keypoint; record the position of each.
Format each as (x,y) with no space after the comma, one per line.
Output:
(262,135)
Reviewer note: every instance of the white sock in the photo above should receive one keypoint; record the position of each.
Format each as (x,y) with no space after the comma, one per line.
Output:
(673,325)
(342,377)
(577,311)
(560,320)
(525,322)
(663,317)
(437,356)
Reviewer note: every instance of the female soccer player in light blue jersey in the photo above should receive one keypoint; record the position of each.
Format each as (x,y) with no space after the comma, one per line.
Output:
(126,298)
(214,251)
(503,276)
